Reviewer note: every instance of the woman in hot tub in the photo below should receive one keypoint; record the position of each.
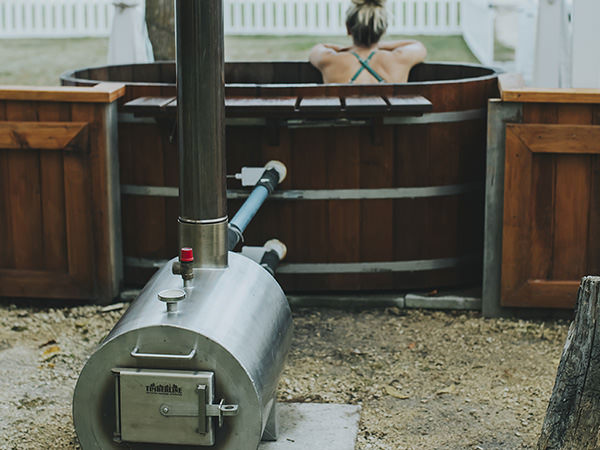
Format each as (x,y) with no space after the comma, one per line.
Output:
(367,61)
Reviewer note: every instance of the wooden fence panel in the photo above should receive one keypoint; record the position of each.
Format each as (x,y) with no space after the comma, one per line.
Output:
(55,18)
(77,18)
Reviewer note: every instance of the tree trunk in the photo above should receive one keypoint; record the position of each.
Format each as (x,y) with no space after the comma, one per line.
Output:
(160,19)
(573,417)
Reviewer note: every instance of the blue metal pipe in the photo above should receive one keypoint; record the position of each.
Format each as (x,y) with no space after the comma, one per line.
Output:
(265,186)
(250,207)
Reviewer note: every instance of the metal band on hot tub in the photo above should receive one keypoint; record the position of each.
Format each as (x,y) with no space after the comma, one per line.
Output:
(426,118)
(323,194)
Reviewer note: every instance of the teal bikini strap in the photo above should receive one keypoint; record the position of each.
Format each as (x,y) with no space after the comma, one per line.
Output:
(364,64)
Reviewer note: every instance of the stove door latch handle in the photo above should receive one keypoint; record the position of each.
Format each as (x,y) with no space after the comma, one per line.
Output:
(220,410)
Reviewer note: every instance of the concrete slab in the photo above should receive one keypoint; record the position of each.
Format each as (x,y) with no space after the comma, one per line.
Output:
(450,301)
(310,426)
(464,298)
(344,301)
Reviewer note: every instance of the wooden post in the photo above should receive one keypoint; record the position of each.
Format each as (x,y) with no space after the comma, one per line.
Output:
(499,114)
(573,417)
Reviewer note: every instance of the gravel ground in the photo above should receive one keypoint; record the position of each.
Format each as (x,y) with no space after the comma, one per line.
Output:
(425,379)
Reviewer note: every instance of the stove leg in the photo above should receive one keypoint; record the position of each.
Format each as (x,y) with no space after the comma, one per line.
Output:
(272,428)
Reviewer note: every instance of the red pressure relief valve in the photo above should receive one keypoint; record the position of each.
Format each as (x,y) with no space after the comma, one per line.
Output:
(186,259)
(185,265)
(186,255)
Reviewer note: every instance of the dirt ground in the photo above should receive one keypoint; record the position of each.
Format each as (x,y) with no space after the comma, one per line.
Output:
(425,379)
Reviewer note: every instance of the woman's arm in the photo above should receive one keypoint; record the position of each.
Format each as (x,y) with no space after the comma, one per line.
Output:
(334,47)
(393,45)
(410,50)
(320,53)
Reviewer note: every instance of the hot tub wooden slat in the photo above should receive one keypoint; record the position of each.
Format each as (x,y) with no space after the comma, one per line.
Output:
(376,171)
(168,73)
(309,158)
(257,106)
(409,103)
(320,105)
(120,72)
(147,73)
(148,106)
(366,104)
(343,172)
(263,72)
(143,153)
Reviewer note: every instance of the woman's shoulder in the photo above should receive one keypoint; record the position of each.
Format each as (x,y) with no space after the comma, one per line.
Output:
(324,54)
(406,51)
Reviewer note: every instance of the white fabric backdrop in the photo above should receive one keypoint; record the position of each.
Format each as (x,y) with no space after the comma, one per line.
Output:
(129,42)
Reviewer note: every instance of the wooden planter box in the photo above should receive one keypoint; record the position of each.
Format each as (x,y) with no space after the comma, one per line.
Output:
(59,193)
(542,196)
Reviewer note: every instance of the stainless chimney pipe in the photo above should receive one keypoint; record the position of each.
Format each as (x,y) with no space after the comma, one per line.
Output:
(201,130)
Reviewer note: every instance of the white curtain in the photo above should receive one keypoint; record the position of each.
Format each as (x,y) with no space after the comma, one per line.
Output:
(585,71)
(552,63)
(129,42)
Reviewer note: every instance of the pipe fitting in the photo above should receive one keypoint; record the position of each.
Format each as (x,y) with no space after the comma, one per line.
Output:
(234,236)
(277,246)
(269,180)
(279,167)
(209,241)
(275,251)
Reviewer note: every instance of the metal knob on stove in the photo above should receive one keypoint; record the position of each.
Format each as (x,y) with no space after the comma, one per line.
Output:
(171,297)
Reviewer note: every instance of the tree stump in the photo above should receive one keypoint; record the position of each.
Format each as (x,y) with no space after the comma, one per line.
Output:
(160,19)
(573,417)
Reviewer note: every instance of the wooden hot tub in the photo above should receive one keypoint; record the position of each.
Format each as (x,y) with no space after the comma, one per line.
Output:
(385,183)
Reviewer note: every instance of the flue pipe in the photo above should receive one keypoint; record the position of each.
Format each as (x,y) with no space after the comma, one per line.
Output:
(201,130)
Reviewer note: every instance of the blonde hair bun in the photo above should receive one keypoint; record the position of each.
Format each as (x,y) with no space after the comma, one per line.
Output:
(366,20)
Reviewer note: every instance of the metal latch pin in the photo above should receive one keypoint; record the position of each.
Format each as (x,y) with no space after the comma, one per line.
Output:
(204,410)
(221,410)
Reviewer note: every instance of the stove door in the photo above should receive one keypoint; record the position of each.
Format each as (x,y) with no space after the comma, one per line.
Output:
(164,406)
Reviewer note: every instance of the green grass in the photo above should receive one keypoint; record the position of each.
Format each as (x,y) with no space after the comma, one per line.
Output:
(278,48)
(41,61)
(503,52)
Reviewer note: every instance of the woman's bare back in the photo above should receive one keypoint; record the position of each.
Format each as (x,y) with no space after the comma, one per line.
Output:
(391,61)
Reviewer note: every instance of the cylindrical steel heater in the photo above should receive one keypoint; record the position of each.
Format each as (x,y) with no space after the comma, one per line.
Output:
(196,359)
